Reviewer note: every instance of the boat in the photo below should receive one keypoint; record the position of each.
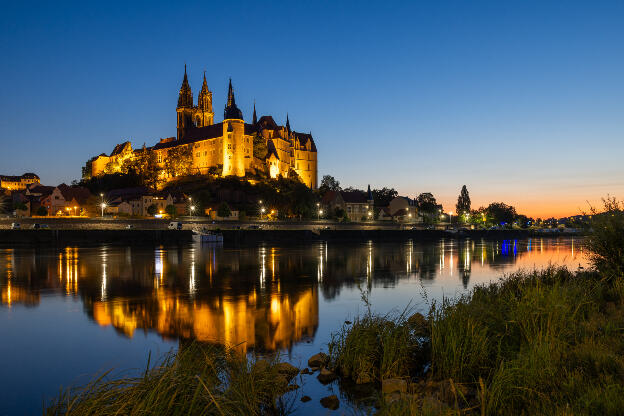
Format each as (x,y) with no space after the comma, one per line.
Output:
(206,236)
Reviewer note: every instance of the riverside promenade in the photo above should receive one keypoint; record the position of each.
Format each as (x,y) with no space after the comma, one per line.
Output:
(235,233)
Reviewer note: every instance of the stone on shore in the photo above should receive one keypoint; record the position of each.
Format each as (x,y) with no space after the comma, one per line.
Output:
(287,370)
(392,385)
(318,360)
(326,376)
(306,399)
(330,402)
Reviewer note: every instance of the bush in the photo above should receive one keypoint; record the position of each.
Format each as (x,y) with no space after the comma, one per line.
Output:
(152,209)
(171,210)
(42,211)
(224,210)
(606,240)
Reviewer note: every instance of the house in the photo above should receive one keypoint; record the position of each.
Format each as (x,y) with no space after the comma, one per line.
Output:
(401,208)
(356,204)
(76,199)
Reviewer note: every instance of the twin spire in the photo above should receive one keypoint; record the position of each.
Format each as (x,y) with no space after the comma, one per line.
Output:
(231,111)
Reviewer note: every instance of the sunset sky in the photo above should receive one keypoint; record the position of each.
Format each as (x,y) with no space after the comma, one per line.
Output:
(521,101)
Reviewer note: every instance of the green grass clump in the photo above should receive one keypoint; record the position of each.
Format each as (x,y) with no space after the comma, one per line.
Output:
(198,379)
(374,348)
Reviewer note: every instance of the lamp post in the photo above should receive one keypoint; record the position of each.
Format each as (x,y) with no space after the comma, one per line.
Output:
(261,213)
(192,209)
(103,206)
(318,211)
(450,217)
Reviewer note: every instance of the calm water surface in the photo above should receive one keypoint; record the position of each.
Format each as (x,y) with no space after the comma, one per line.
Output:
(68,313)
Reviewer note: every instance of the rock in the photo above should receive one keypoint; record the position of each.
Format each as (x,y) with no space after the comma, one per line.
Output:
(348,322)
(364,378)
(326,376)
(393,384)
(318,360)
(287,370)
(306,399)
(313,369)
(330,402)
(292,387)
(392,397)
(305,371)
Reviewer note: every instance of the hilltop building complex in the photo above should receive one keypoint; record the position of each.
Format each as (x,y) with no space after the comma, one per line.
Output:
(231,147)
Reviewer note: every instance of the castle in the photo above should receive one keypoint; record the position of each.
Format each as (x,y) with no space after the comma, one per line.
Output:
(232,147)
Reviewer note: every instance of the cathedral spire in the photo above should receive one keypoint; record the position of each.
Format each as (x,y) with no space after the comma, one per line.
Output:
(185,98)
(231,110)
(255,119)
(287,123)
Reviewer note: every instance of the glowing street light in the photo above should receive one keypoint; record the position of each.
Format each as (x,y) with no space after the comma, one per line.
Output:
(261,212)
(450,217)
(192,209)
(103,206)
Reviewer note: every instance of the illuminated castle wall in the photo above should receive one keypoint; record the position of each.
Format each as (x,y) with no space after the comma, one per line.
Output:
(228,145)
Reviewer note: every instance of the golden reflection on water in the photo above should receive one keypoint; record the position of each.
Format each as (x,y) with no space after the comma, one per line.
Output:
(263,298)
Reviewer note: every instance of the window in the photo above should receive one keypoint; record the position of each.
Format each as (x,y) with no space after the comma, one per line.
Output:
(229,146)
(205,153)
(198,154)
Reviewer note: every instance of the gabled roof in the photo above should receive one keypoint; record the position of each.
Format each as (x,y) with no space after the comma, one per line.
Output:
(127,193)
(40,189)
(119,148)
(194,134)
(303,139)
(271,149)
(79,193)
(267,122)
(329,197)
(353,197)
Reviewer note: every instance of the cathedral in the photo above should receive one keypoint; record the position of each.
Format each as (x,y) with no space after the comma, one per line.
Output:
(231,147)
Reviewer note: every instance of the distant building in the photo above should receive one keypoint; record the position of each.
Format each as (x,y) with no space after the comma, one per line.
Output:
(231,147)
(18,183)
(401,208)
(357,205)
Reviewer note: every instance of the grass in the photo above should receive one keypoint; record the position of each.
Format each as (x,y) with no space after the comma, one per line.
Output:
(547,342)
(198,379)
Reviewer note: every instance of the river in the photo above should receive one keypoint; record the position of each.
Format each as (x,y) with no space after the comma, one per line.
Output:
(69,313)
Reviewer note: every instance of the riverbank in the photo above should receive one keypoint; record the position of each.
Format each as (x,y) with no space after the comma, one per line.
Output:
(248,237)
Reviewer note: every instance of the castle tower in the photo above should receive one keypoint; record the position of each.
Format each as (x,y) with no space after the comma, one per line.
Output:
(204,116)
(185,107)
(233,131)
(255,118)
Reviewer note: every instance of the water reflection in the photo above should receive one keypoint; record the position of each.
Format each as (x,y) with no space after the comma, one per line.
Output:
(264,298)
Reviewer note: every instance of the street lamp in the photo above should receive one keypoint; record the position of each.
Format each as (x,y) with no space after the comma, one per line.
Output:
(192,209)
(103,206)
(261,212)
(450,217)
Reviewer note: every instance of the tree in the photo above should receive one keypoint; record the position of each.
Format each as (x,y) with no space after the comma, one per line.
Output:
(427,203)
(20,206)
(463,202)
(179,160)
(383,196)
(259,147)
(42,211)
(224,210)
(501,213)
(171,210)
(152,209)
(329,183)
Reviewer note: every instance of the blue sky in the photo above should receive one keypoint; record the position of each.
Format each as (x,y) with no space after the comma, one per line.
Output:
(521,101)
